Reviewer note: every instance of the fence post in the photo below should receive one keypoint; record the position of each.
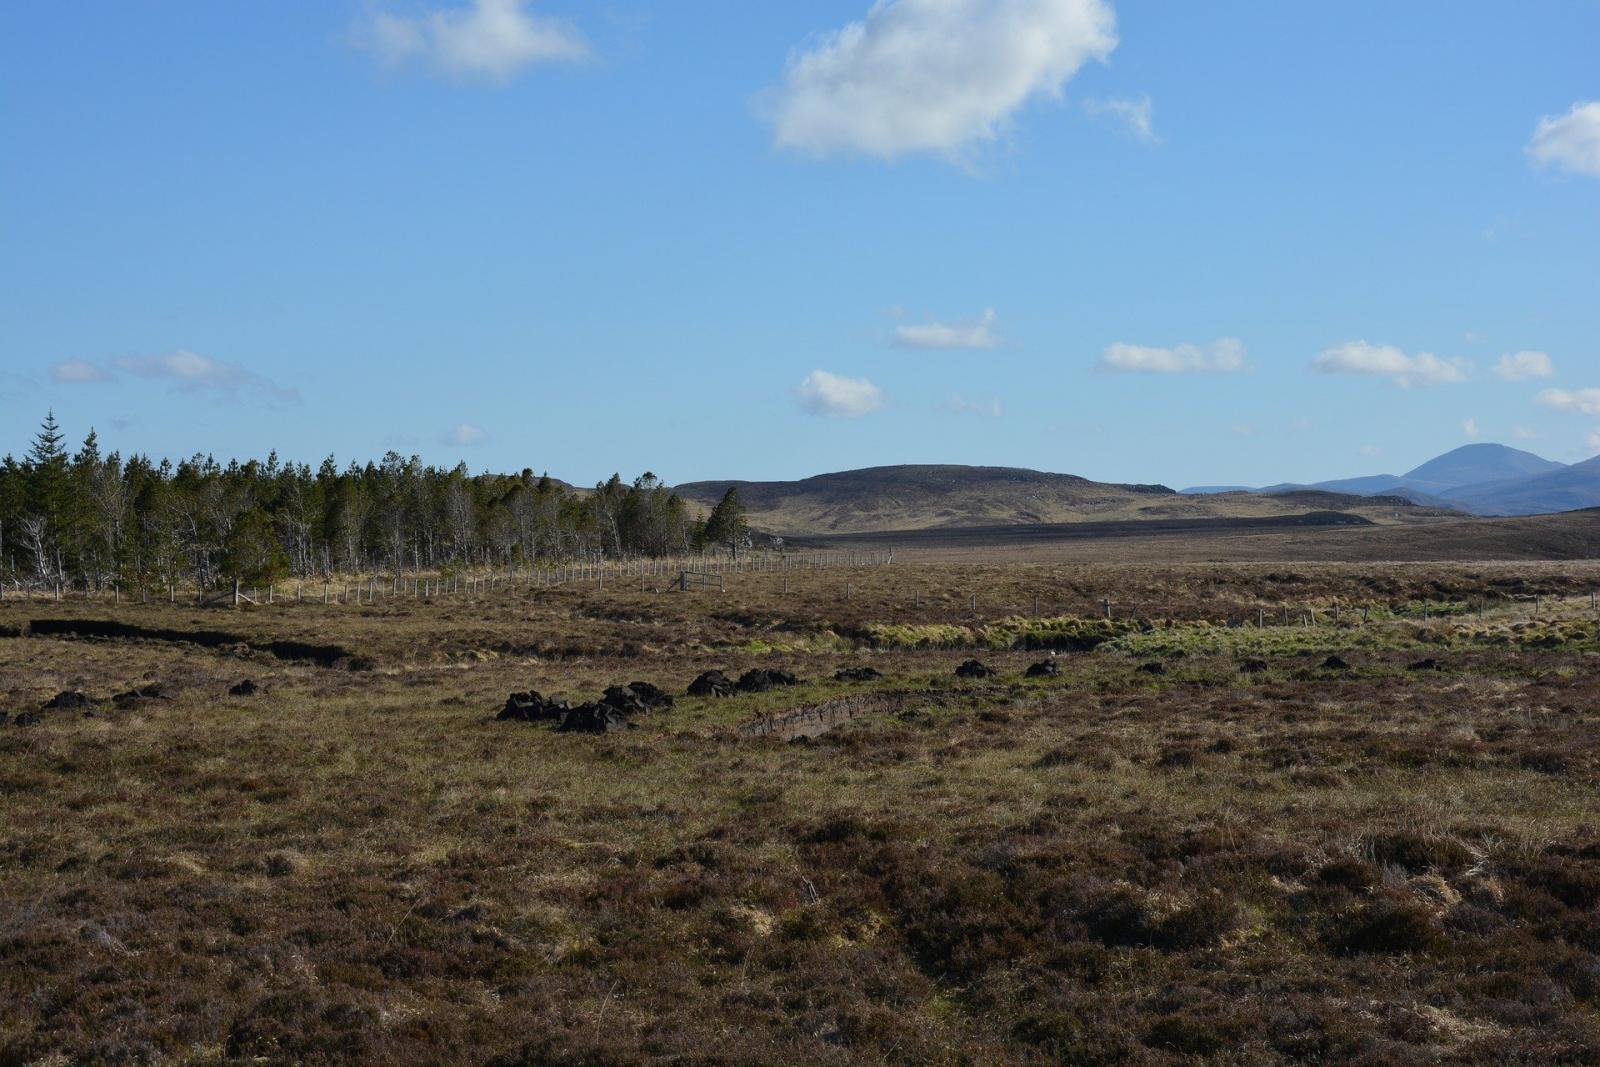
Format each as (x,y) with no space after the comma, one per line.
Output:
(236,592)
(1107,605)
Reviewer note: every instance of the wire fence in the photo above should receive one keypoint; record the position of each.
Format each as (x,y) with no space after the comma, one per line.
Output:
(447,581)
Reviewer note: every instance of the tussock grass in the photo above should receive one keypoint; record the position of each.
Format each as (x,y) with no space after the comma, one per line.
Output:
(1109,866)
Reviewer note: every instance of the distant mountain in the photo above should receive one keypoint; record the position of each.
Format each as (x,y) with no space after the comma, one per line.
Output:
(1478,465)
(1485,478)
(881,499)
(1562,489)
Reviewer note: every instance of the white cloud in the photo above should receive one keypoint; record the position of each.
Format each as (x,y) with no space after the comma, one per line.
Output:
(1569,142)
(1525,433)
(1522,365)
(492,39)
(1136,115)
(1594,441)
(78,372)
(1472,337)
(939,335)
(1470,428)
(192,372)
(1370,451)
(1359,357)
(1225,356)
(989,409)
(1575,402)
(822,393)
(466,435)
(932,75)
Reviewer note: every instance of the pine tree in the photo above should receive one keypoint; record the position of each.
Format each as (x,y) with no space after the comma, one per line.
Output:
(49,497)
(726,524)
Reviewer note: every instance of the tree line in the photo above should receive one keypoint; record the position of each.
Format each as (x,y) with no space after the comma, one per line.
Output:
(100,519)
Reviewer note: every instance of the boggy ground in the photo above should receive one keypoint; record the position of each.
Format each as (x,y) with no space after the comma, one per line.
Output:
(1227,861)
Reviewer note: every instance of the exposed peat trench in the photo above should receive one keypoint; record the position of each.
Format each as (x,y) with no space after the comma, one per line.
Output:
(817,719)
(322,655)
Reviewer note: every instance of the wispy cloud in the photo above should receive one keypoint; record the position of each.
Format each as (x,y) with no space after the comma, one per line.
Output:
(1569,142)
(191,372)
(1470,428)
(1519,366)
(466,435)
(932,76)
(939,335)
(1136,115)
(493,39)
(1572,402)
(835,396)
(1525,433)
(1406,371)
(1224,356)
(79,372)
(966,405)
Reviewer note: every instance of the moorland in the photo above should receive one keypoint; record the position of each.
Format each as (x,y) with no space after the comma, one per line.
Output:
(1285,811)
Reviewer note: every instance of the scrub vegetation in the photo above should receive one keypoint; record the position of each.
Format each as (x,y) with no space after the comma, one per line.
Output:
(1370,840)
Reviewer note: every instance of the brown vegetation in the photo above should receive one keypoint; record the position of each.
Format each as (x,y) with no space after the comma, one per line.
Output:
(1111,864)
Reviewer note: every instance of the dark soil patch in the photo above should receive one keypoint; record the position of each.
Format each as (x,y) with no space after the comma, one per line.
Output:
(764,680)
(712,684)
(322,655)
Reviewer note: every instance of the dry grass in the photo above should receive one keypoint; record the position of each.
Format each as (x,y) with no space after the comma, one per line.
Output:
(1377,865)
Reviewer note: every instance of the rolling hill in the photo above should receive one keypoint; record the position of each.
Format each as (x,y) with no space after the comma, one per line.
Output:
(881,499)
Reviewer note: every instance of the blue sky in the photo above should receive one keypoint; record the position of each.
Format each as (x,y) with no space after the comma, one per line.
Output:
(1137,241)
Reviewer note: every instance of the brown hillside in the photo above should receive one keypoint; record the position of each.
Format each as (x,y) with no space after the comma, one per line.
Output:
(880,499)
